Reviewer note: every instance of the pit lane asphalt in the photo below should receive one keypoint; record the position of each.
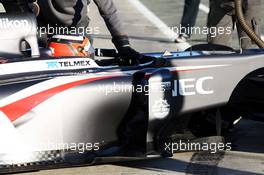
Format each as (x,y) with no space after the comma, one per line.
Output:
(247,157)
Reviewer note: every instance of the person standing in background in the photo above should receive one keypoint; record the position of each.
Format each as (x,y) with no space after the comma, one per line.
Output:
(190,12)
(222,14)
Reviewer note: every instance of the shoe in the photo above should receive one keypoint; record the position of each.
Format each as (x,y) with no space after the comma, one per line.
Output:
(182,38)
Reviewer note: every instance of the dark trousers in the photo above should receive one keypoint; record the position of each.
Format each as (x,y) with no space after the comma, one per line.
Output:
(191,9)
(222,15)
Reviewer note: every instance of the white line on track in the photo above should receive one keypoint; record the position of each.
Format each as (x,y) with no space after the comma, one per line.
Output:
(164,28)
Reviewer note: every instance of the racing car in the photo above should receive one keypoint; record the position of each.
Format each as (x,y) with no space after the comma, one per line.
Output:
(70,111)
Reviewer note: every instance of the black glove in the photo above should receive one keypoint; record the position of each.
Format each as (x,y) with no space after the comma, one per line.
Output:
(129,56)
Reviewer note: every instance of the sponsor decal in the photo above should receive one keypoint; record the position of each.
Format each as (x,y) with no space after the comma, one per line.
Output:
(161,108)
(53,64)
(6,23)
(68,64)
(74,63)
(191,86)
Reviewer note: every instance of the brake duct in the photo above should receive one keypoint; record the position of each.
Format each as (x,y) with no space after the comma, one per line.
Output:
(245,27)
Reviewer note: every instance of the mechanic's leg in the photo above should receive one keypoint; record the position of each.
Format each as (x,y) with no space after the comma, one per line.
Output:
(191,9)
(220,16)
(252,15)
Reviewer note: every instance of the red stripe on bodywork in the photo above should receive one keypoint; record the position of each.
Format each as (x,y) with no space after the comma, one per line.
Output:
(186,70)
(176,71)
(18,108)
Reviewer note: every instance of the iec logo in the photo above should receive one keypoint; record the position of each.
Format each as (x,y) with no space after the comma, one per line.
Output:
(53,64)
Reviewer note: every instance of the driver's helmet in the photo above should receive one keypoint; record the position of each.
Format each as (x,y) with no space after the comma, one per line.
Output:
(69,45)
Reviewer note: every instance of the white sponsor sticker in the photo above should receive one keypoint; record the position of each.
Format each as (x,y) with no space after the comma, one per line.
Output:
(161,109)
(191,86)
(47,65)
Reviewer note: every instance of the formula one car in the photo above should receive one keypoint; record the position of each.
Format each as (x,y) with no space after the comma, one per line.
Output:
(69,111)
